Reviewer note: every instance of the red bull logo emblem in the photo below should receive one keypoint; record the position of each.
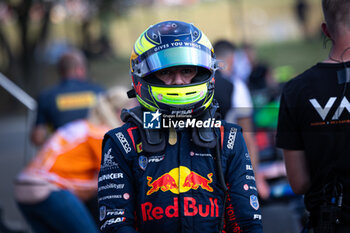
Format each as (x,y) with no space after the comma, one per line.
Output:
(165,182)
(179,180)
(194,180)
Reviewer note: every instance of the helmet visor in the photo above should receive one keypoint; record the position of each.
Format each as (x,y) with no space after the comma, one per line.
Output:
(175,56)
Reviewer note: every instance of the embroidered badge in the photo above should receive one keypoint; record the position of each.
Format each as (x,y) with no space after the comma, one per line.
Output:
(254,202)
(139,147)
(102,212)
(126,196)
(143,162)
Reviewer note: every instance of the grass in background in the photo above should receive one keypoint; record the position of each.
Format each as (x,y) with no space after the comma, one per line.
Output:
(111,71)
(299,54)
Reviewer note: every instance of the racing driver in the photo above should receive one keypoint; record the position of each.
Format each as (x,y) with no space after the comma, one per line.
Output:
(174,166)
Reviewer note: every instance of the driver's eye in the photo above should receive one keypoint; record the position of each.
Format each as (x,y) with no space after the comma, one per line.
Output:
(165,72)
(188,71)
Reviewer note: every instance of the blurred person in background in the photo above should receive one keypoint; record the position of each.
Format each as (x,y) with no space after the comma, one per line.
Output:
(261,76)
(241,65)
(70,100)
(260,119)
(57,191)
(302,10)
(177,178)
(265,92)
(235,104)
(313,128)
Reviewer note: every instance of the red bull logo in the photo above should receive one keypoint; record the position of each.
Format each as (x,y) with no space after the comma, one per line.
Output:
(179,180)
(194,180)
(165,182)
(190,208)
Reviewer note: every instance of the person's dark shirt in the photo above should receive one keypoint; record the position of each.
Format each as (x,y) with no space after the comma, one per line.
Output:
(70,100)
(315,117)
(223,93)
(257,78)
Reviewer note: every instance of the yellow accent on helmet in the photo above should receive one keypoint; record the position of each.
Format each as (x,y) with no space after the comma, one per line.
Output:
(142,44)
(148,106)
(180,95)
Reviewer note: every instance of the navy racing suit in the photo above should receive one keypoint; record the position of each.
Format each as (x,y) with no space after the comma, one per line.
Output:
(176,190)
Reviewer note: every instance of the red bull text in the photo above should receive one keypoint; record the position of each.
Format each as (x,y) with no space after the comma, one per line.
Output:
(190,208)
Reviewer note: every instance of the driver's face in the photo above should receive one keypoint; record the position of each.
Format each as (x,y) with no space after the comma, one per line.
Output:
(179,75)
